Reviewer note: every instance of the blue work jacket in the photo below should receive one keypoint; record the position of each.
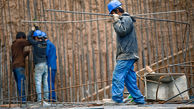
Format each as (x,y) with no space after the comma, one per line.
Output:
(127,47)
(51,55)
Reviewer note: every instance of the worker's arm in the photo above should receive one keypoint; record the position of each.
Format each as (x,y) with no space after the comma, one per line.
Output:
(30,38)
(24,43)
(26,53)
(123,25)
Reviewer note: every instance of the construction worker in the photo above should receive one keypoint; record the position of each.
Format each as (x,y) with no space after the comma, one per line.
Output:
(126,55)
(18,62)
(52,67)
(40,62)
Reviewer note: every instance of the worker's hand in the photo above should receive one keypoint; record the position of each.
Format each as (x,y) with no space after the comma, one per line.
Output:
(33,28)
(115,17)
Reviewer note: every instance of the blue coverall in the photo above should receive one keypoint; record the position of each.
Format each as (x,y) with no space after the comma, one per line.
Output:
(52,68)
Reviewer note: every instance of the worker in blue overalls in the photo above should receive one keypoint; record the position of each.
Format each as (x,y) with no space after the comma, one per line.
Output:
(52,67)
(126,56)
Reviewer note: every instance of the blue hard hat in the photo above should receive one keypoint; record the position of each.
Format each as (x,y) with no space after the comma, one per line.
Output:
(44,35)
(37,33)
(113,5)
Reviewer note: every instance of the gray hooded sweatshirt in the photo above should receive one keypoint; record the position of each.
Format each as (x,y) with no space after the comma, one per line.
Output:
(127,47)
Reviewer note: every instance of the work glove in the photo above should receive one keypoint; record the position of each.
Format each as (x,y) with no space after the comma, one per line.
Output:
(115,17)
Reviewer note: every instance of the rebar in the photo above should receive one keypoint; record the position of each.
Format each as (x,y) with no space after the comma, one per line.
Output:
(100,14)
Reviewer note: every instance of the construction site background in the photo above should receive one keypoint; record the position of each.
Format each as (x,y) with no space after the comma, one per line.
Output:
(86,43)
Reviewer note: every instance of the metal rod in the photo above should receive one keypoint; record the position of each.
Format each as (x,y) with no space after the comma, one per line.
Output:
(152,40)
(59,54)
(83,65)
(176,34)
(99,51)
(59,89)
(6,57)
(1,72)
(174,83)
(107,49)
(10,57)
(156,35)
(79,90)
(178,94)
(61,22)
(73,54)
(147,35)
(141,33)
(80,21)
(29,14)
(170,37)
(93,55)
(87,56)
(3,54)
(101,14)
(78,79)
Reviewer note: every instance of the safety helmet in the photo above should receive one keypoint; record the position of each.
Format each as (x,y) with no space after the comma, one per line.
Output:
(113,5)
(37,33)
(44,35)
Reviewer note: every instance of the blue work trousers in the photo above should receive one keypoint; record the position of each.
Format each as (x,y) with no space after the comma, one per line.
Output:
(51,83)
(124,74)
(19,74)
